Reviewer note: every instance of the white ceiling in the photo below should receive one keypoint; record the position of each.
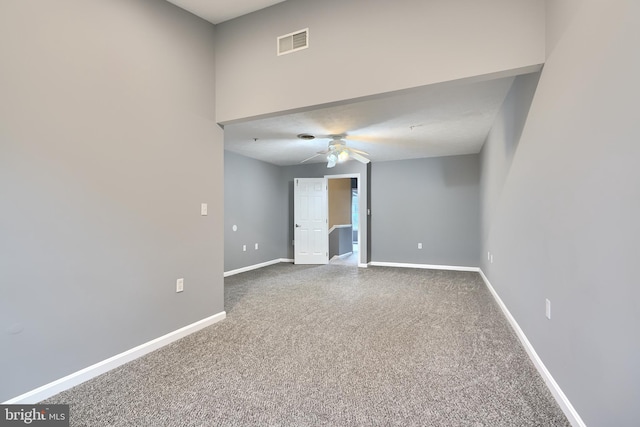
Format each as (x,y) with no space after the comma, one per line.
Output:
(438,120)
(217,11)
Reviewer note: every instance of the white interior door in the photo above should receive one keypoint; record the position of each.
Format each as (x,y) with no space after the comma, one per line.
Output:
(310,221)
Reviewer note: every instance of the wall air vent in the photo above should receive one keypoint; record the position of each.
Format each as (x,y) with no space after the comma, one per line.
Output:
(293,42)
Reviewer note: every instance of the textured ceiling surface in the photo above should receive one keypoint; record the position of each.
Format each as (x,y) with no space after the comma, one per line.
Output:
(217,11)
(438,120)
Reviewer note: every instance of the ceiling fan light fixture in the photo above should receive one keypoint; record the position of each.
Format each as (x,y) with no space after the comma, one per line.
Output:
(332,159)
(337,151)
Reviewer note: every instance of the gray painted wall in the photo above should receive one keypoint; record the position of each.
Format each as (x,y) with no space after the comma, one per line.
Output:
(417,42)
(108,145)
(340,241)
(500,147)
(255,200)
(433,201)
(563,223)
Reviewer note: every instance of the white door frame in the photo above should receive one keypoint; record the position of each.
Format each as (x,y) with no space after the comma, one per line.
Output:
(361,223)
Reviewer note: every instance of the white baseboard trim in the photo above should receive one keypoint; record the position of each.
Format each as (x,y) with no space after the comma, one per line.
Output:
(424,266)
(566,406)
(71,380)
(256,266)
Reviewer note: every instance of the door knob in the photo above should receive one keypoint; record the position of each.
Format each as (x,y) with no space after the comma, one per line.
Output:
(298,225)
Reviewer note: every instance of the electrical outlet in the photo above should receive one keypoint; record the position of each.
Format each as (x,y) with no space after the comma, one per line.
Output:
(256,246)
(179,285)
(419,245)
(203,209)
(244,248)
(491,258)
(547,309)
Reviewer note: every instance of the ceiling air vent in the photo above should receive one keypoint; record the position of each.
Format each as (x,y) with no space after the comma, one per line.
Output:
(293,42)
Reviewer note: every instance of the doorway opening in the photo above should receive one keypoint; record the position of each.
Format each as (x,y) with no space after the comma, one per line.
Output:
(355,214)
(344,219)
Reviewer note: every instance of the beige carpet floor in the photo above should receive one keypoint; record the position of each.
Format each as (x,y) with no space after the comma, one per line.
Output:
(333,345)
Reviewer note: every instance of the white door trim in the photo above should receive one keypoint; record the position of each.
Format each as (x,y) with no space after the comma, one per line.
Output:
(361,249)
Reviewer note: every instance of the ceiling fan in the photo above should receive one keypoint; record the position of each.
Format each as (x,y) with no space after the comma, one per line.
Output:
(337,150)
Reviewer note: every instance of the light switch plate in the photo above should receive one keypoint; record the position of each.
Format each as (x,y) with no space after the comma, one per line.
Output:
(547,309)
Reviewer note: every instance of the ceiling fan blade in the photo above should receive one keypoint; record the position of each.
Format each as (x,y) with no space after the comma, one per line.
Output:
(353,150)
(312,157)
(359,157)
(319,153)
